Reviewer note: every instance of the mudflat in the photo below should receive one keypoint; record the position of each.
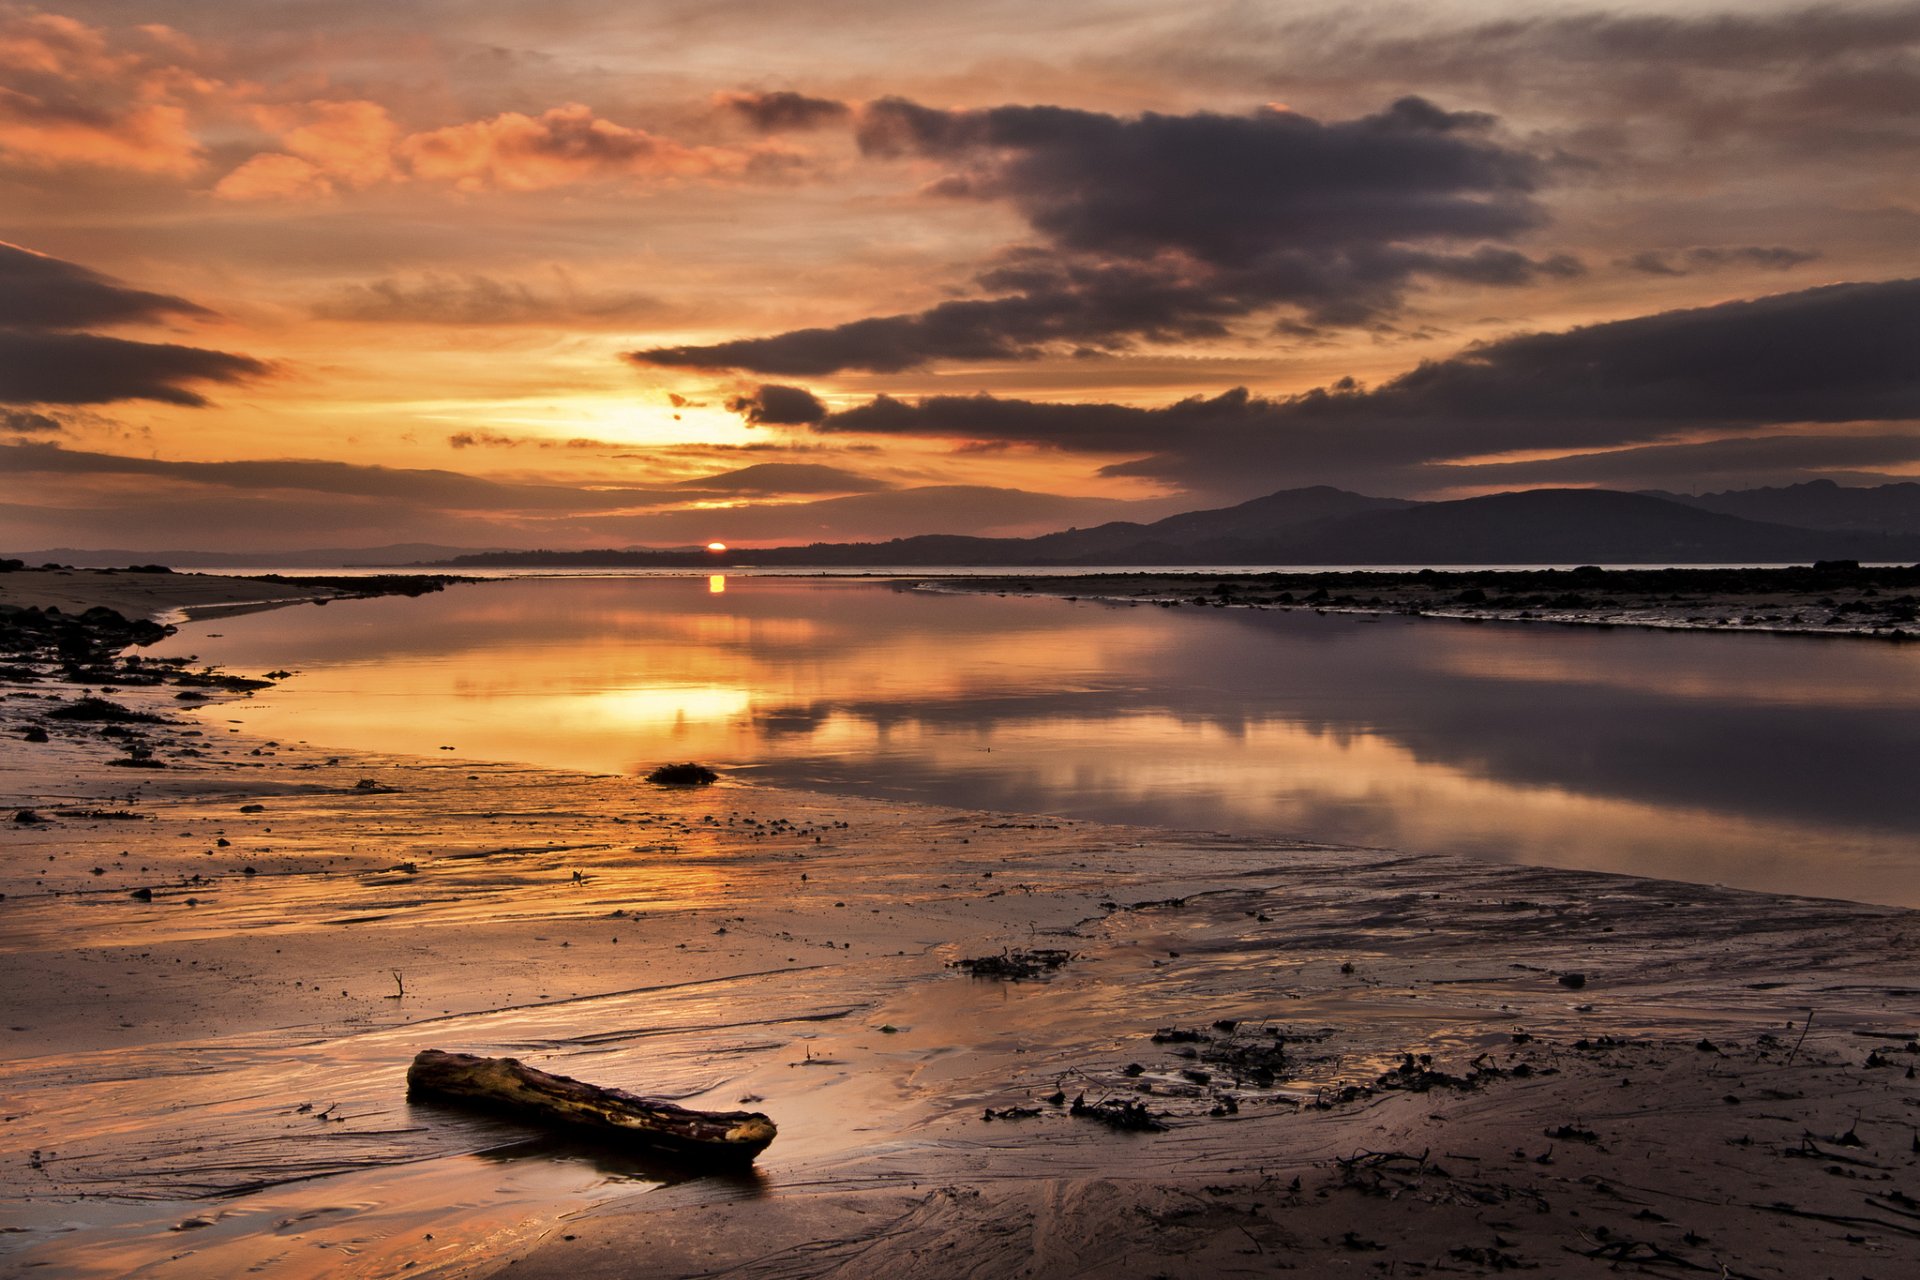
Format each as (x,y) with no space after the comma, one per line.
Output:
(1185,1053)
(1831,598)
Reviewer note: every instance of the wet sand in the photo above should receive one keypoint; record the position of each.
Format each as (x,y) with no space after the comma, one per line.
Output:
(146,594)
(209,1079)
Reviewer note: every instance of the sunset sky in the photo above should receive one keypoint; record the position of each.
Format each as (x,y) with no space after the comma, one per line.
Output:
(549,273)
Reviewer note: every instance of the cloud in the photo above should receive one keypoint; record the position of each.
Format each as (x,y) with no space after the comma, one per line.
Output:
(24,422)
(930,509)
(783,111)
(1221,189)
(1739,462)
(448,489)
(74,96)
(89,368)
(328,146)
(1688,91)
(477,299)
(1168,227)
(293,502)
(145,99)
(42,292)
(786,478)
(485,439)
(434,488)
(42,362)
(1839,354)
(495,440)
(1686,262)
(772,404)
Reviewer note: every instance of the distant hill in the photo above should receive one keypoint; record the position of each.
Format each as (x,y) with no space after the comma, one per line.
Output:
(1818,504)
(1192,532)
(398,553)
(1557,526)
(1331,526)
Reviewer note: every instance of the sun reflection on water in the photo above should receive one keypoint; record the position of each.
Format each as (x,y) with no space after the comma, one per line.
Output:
(1735,759)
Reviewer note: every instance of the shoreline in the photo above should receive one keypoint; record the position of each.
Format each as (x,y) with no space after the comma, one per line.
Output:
(1812,601)
(796,948)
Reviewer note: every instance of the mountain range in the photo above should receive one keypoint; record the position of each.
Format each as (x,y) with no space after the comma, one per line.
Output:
(1818,520)
(1326,526)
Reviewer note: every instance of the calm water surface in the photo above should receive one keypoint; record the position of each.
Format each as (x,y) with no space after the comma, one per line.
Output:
(1783,763)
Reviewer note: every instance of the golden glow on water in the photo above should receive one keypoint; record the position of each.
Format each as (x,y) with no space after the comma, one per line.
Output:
(1730,759)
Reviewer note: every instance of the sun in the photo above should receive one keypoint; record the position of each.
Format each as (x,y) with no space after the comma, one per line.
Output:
(716,546)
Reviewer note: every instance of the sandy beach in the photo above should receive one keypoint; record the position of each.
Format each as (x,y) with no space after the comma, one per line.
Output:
(1348,1061)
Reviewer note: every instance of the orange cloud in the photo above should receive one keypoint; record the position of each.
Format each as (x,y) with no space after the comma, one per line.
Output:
(273,176)
(73,99)
(351,142)
(331,146)
(137,100)
(517,152)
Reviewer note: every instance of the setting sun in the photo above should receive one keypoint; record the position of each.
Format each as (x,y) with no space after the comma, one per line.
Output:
(716,546)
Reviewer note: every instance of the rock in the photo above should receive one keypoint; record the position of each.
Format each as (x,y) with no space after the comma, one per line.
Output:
(688,774)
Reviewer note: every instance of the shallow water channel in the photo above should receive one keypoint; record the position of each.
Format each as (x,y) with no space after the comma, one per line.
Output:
(1781,763)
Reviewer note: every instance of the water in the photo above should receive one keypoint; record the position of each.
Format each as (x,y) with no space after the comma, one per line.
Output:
(1779,763)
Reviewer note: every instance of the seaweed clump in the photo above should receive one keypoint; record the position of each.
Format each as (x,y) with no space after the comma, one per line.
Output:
(1118,1113)
(687,774)
(1015,965)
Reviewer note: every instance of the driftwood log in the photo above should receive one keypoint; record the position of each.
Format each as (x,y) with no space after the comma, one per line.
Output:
(506,1085)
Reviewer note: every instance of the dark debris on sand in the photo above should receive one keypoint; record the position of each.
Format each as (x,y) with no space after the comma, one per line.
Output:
(1014,965)
(687,774)
(1118,1113)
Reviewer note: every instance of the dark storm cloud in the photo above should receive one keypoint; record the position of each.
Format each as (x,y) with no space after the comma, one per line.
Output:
(41,293)
(1166,227)
(89,368)
(783,111)
(1686,262)
(1833,354)
(1222,189)
(42,361)
(772,404)
(1838,354)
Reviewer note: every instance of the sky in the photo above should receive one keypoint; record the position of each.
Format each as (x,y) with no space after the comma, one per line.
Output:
(550,273)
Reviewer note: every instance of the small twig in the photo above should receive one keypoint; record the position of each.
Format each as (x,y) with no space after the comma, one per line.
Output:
(1804,1028)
